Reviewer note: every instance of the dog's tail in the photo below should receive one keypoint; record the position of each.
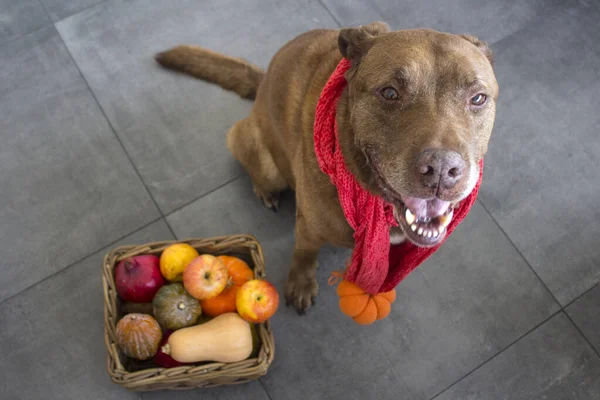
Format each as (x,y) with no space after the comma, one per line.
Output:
(230,73)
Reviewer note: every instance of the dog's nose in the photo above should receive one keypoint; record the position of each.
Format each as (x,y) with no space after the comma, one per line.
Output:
(443,168)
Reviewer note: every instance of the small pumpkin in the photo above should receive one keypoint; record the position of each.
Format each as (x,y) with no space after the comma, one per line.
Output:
(174,308)
(363,307)
(138,336)
(239,273)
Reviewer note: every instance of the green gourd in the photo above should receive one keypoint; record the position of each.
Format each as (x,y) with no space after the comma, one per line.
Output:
(174,308)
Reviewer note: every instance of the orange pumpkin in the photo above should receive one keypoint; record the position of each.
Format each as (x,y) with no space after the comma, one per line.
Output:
(239,273)
(138,336)
(363,307)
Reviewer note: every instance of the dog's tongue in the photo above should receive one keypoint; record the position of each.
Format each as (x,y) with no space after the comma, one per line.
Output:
(426,208)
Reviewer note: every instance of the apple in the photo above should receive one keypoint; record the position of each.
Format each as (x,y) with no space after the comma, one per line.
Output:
(205,277)
(257,301)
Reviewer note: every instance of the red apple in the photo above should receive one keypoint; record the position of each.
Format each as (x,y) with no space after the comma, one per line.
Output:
(257,300)
(205,277)
(138,278)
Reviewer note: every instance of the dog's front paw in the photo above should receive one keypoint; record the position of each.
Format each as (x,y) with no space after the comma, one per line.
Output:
(269,200)
(301,292)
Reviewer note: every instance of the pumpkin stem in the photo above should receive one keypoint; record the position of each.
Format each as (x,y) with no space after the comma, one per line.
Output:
(166,349)
(229,283)
(336,277)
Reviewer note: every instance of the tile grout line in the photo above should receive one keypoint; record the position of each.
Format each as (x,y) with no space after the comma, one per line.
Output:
(264,388)
(129,158)
(597,351)
(330,13)
(81,259)
(136,230)
(84,9)
(562,309)
(170,228)
(536,18)
(218,187)
(41,3)
(520,254)
(116,135)
(118,138)
(581,295)
(496,355)
(51,25)
(111,126)
(162,215)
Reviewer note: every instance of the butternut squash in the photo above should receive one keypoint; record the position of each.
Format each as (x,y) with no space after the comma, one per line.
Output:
(226,338)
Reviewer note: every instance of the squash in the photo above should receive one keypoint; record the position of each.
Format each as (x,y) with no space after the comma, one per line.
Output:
(362,307)
(226,338)
(239,273)
(174,308)
(164,360)
(138,336)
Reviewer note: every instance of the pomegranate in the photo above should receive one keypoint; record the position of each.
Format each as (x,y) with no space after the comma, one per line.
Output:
(138,278)
(161,358)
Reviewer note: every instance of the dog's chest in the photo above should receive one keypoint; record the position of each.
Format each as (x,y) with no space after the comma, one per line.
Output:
(397,236)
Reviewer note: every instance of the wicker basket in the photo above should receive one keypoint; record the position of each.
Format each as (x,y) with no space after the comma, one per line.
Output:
(145,376)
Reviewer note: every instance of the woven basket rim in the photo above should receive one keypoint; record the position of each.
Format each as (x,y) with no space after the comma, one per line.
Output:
(184,377)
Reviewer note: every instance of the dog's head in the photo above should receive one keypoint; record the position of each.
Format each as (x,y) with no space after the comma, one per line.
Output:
(419,111)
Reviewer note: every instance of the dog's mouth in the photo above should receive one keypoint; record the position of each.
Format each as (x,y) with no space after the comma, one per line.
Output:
(424,221)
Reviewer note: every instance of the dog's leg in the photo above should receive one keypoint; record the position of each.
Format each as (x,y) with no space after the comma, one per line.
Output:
(301,288)
(245,143)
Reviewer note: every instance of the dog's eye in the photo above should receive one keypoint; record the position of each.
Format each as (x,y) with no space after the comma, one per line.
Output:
(479,99)
(389,93)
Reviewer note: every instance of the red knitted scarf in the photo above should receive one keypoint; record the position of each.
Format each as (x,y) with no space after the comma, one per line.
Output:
(375,266)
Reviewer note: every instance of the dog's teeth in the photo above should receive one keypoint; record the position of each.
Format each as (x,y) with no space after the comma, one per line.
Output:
(413,227)
(436,233)
(446,219)
(410,218)
(420,231)
(429,234)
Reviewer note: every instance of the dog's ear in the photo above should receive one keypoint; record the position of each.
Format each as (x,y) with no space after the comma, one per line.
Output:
(355,42)
(481,45)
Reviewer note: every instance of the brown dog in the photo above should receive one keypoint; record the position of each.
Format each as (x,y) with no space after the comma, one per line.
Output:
(414,122)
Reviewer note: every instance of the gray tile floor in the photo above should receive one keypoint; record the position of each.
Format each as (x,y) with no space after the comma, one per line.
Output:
(98,147)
